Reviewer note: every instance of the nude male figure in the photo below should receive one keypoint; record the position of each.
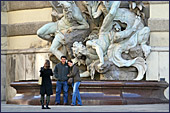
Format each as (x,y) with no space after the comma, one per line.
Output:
(71,20)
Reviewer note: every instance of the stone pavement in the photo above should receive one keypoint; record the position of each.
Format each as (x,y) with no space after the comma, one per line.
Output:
(99,108)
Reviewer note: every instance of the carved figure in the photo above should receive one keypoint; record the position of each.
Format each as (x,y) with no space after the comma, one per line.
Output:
(106,39)
(120,31)
(72,20)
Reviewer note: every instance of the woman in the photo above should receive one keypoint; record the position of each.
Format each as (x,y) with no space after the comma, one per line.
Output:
(74,72)
(46,87)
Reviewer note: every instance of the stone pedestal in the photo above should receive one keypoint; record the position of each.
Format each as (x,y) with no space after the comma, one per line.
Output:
(97,92)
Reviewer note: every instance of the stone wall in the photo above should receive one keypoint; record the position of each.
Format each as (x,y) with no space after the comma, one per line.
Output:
(23,52)
(158,60)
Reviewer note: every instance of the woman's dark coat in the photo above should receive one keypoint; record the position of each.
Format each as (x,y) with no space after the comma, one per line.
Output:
(46,87)
(74,72)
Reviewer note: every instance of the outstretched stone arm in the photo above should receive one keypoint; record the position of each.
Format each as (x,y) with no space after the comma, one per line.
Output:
(56,16)
(123,34)
(110,16)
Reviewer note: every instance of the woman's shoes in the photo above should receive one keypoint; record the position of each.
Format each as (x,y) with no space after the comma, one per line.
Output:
(43,107)
(47,103)
(48,107)
(79,105)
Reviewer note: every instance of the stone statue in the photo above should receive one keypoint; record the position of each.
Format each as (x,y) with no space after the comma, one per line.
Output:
(107,38)
(72,19)
(106,47)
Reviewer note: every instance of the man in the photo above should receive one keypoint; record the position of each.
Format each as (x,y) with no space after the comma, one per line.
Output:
(61,71)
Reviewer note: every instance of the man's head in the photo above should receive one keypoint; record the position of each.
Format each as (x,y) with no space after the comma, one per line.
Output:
(63,59)
(70,63)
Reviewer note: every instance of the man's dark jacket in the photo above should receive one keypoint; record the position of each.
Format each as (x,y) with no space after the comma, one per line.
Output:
(61,71)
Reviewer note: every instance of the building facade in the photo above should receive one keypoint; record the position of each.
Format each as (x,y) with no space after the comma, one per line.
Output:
(22,51)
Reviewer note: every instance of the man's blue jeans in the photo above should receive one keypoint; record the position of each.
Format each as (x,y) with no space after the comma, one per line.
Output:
(65,86)
(76,93)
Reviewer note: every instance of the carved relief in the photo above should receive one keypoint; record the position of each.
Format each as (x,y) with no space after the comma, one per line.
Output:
(100,36)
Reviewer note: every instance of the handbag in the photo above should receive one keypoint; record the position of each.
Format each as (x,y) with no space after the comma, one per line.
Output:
(40,81)
(70,81)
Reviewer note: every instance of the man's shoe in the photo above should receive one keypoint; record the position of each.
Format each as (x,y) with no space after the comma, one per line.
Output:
(72,104)
(57,103)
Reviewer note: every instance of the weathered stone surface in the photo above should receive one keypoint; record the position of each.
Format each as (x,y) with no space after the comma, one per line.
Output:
(157,2)
(4,28)
(77,35)
(25,42)
(160,49)
(29,28)
(20,67)
(3,77)
(4,6)
(32,15)
(164,69)
(159,25)
(10,92)
(159,11)
(39,62)
(22,5)
(146,11)
(124,4)
(112,72)
(164,65)
(29,66)
(152,66)
(159,39)
(25,51)
(122,75)
(4,18)
(136,52)
(4,44)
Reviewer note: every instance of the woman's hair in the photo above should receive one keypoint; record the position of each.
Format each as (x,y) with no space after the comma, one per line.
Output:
(47,64)
(70,61)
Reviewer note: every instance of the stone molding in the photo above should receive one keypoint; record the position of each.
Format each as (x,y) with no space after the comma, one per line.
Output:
(22,5)
(29,28)
(159,49)
(157,2)
(46,50)
(25,51)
